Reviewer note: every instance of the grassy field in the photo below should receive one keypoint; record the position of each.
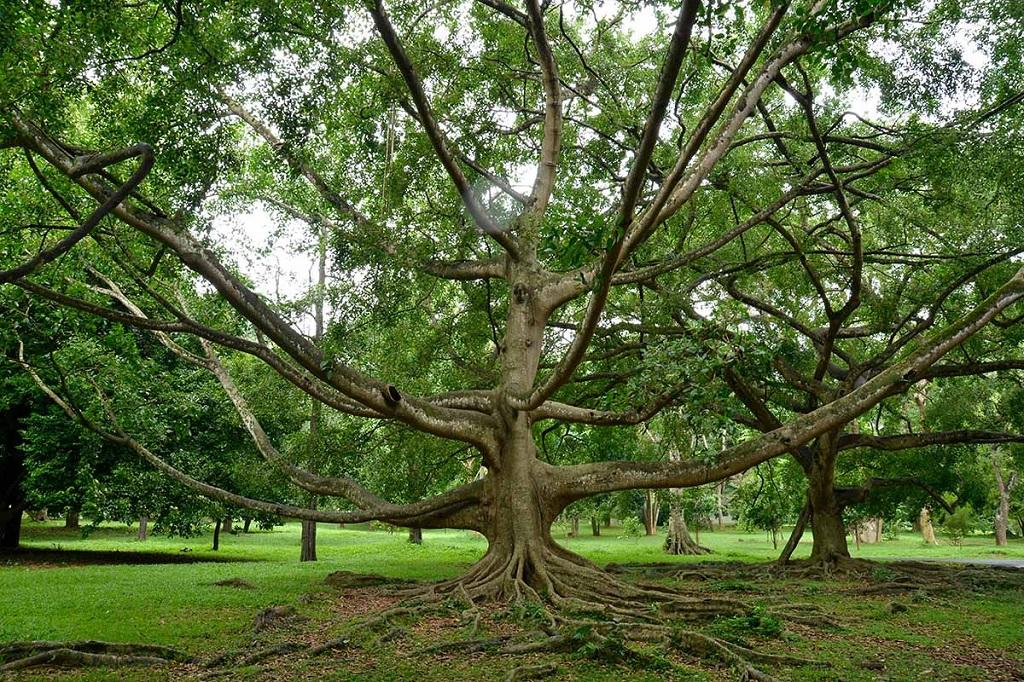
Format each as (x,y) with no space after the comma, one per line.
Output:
(61,595)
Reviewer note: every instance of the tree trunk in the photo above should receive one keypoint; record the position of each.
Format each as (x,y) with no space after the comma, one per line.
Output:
(868,532)
(924,520)
(71,520)
(228,524)
(651,511)
(595,526)
(798,531)
(307,551)
(307,543)
(574,527)
(1004,486)
(144,528)
(246,523)
(720,504)
(216,534)
(416,536)
(827,528)
(10,529)
(679,540)
(12,471)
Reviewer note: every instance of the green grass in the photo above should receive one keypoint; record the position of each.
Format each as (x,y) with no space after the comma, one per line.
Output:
(176,604)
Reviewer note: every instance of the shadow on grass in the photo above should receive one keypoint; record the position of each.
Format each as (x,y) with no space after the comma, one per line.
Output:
(32,557)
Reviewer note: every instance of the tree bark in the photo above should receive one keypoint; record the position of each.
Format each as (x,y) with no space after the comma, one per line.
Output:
(12,471)
(228,524)
(720,503)
(144,528)
(1004,486)
(216,534)
(307,551)
(827,528)
(924,521)
(416,536)
(595,526)
(798,531)
(869,531)
(651,511)
(679,540)
(574,527)
(71,520)
(246,523)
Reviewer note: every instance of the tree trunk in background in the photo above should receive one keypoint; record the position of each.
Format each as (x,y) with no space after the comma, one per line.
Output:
(12,471)
(71,520)
(144,528)
(416,536)
(10,528)
(595,526)
(924,520)
(651,511)
(228,524)
(869,532)
(720,503)
(1004,486)
(574,527)
(308,541)
(307,550)
(246,523)
(216,535)
(679,540)
(798,532)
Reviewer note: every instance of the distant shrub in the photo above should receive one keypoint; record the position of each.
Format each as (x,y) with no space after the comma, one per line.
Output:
(631,527)
(960,524)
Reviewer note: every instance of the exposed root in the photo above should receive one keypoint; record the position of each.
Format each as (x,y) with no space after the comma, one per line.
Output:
(531,672)
(22,655)
(271,652)
(582,610)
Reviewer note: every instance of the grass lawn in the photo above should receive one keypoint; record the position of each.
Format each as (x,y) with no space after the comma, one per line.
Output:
(963,636)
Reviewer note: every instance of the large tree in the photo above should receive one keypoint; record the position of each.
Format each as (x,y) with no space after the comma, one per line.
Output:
(651,157)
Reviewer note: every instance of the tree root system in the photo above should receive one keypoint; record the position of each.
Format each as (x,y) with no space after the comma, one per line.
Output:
(22,655)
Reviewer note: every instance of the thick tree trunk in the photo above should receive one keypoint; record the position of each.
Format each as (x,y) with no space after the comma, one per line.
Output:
(71,520)
(143,528)
(228,524)
(12,471)
(827,528)
(595,526)
(416,536)
(574,527)
(10,529)
(924,521)
(216,534)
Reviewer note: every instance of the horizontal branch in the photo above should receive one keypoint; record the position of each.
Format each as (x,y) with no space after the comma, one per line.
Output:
(907,441)
(575,482)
